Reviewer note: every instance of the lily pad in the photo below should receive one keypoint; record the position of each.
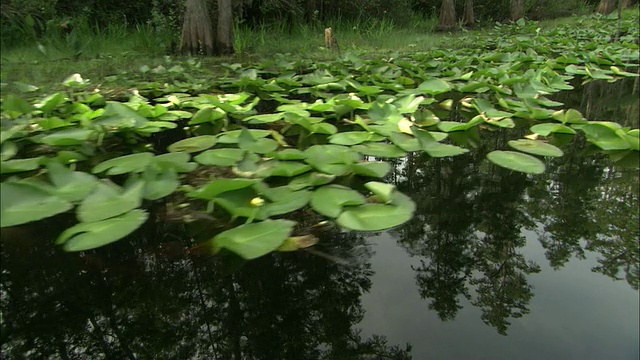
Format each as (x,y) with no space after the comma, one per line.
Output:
(108,200)
(251,241)
(219,186)
(371,168)
(536,147)
(124,164)
(380,150)
(194,144)
(375,217)
(329,200)
(70,185)
(86,236)
(23,203)
(220,157)
(517,161)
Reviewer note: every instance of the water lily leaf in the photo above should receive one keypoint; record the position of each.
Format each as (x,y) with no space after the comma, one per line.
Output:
(9,150)
(434,86)
(193,144)
(15,106)
(408,104)
(517,161)
(219,186)
(86,236)
(124,164)
(67,137)
(264,118)
(371,168)
(178,161)
(251,241)
(375,217)
(450,126)
(23,203)
(261,145)
(383,113)
(50,102)
(70,185)
(353,138)
(295,243)
(548,128)
(536,147)
(231,137)
(289,154)
(380,150)
(571,116)
(384,192)
(107,200)
(435,149)
(329,200)
(605,137)
(159,184)
(220,157)
(118,114)
(330,154)
(289,168)
(310,180)
(20,165)
(282,200)
(405,142)
(207,115)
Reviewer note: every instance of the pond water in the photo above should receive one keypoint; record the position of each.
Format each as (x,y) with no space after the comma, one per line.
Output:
(494,265)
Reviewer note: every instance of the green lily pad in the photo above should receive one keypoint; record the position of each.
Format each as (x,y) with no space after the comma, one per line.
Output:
(380,150)
(382,191)
(434,86)
(178,161)
(158,184)
(194,144)
(310,180)
(124,164)
(251,241)
(86,236)
(371,168)
(517,161)
(20,165)
(536,147)
(219,186)
(549,128)
(289,168)
(70,185)
(207,115)
(220,157)
(353,138)
(67,137)
(329,200)
(605,136)
(375,217)
(23,203)
(108,200)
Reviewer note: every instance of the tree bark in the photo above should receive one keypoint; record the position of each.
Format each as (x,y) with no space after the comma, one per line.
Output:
(468,16)
(606,6)
(224,38)
(447,19)
(197,31)
(517,9)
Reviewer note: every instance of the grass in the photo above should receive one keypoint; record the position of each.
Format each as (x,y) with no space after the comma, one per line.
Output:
(99,53)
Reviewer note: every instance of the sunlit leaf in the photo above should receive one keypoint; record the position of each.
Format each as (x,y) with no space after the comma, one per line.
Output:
(193,144)
(23,203)
(251,241)
(329,200)
(124,164)
(375,217)
(516,161)
(536,147)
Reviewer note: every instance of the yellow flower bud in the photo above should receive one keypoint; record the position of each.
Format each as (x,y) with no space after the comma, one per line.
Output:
(257,201)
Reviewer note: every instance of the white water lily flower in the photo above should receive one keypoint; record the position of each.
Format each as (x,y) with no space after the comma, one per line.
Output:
(257,201)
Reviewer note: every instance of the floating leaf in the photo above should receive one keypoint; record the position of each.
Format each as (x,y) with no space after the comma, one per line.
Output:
(86,236)
(176,161)
(375,217)
(329,200)
(20,165)
(549,128)
(310,180)
(516,161)
(67,137)
(371,168)
(219,186)
(380,150)
(434,86)
(536,147)
(193,144)
(70,185)
(159,184)
(23,203)
(382,191)
(220,157)
(251,241)
(207,115)
(107,200)
(353,138)
(289,168)
(605,137)
(124,164)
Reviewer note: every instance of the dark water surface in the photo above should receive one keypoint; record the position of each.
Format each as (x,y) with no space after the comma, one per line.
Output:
(494,265)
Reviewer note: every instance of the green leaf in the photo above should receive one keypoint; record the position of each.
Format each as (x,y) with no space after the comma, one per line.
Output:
(251,241)
(193,144)
(435,149)
(434,86)
(219,186)
(107,200)
(380,150)
(516,161)
(120,115)
(67,137)
(549,128)
(536,147)
(382,191)
(310,180)
(371,168)
(353,138)
(261,145)
(207,115)
(70,185)
(51,102)
(15,106)
(329,200)
(264,118)
(220,157)
(158,184)
(86,236)
(289,168)
(176,161)
(9,150)
(289,154)
(20,165)
(375,217)
(23,203)
(605,137)
(124,164)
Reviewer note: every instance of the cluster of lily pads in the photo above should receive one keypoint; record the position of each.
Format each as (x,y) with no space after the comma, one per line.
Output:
(298,135)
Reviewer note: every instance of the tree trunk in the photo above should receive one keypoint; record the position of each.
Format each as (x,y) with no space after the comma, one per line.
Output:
(447,19)
(467,16)
(224,38)
(606,6)
(197,31)
(517,9)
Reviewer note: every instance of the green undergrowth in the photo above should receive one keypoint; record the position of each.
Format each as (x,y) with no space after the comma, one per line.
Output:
(256,145)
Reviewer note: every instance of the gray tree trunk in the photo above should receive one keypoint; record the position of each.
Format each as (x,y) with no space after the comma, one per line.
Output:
(197,31)
(517,9)
(606,6)
(468,17)
(447,19)
(224,38)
